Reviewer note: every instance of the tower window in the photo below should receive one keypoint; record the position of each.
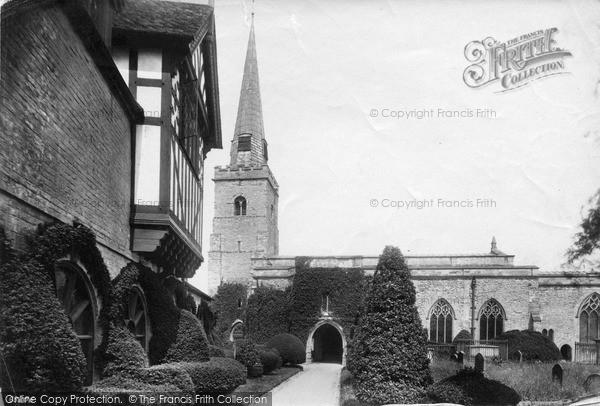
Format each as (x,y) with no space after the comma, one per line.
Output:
(239,206)
(244,143)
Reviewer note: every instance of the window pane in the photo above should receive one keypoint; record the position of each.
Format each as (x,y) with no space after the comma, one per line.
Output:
(593,331)
(147,165)
(149,99)
(121,57)
(583,324)
(448,329)
(432,328)
(483,328)
(150,63)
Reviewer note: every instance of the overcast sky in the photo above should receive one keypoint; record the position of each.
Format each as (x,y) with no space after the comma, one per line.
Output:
(327,67)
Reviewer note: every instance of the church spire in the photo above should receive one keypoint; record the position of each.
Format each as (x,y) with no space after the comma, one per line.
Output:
(249,146)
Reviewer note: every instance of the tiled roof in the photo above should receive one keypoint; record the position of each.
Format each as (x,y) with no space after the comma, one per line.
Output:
(164,17)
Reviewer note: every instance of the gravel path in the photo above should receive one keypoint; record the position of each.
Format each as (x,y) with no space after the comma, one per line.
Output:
(317,385)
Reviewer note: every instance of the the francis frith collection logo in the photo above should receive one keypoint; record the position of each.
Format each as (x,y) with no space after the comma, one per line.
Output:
(514,63)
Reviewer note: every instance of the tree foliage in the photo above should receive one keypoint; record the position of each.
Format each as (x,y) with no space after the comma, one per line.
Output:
(588,239)
(388,354)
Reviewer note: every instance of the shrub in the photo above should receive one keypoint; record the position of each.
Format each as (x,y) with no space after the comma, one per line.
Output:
(290,348)
(269,360)
(462,335)
(534,345)
(177,334)
(121,352)
(470,387)
(267,313)
(215,351)
(229,304)
(219,375)
(161,378)
(190,344)
(246,353)
(388,355)
(40,348)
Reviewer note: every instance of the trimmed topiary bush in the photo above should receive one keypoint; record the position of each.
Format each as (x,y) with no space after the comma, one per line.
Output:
(246,353)
(269,360)
(388,354)
(462,335)
(40,349)
(534,345)
(177,335)
(267,313)
(121,352)
(290,348)
(470,387)
(190,344)
(215,351)
(217,376)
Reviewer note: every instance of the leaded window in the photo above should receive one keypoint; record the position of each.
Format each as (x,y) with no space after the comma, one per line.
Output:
(588,319)
(491,320)
(440,322)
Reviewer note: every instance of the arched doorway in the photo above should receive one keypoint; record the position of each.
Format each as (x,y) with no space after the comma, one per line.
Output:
(565,351)
(326,343)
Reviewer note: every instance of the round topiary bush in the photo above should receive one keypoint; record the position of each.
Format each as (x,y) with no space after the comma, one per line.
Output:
(462,335)
(534,345)
(40,349)
(217,376)
(190,344)
(269,360)
(246,353)
(470,387)
(290,348)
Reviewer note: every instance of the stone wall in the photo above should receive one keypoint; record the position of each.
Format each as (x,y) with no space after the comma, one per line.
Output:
(66,138)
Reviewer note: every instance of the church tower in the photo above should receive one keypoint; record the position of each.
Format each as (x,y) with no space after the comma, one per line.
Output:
(246,192)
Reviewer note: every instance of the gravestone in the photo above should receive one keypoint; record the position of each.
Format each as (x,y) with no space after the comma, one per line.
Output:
(461,357)
(592,383)
(557,373)
(479,362)
(520,357)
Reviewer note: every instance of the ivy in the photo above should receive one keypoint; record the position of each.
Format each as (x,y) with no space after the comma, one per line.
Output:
(268,313)
(345,289)
(229,304)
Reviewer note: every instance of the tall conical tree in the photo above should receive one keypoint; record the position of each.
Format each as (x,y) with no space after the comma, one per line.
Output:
(388,354)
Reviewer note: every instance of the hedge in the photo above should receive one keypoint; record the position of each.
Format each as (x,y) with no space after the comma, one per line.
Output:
(246,353)
(215,351)
(217,376)
(269,360)
(227,309)
(346,290)
(470,387)
(177,335)
(290,348)
(268,313)
(534,345)
(388,354)
(122,352)
(40,349)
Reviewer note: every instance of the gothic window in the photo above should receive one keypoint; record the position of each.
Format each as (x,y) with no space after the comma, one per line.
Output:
(491,320)
(588,319)
(135,316)
(244,143)
(440,322)
(239,206)
(76,295)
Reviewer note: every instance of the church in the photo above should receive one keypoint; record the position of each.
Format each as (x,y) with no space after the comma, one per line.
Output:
(484,293)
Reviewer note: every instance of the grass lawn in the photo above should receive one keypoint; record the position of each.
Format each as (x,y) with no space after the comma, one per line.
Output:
(258,386)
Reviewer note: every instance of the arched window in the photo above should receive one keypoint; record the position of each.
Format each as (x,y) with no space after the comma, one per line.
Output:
(135,316)
(440,322)
(551,335)
(239,206)
(545,332)
(491,320)
(588,319)
(75,292)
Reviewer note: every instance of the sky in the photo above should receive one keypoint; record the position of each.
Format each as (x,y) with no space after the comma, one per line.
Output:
(332,75)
